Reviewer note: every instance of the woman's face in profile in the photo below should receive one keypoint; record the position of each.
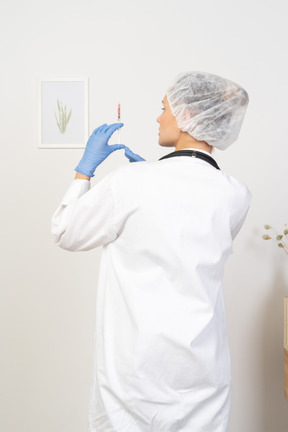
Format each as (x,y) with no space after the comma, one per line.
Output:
(169,133)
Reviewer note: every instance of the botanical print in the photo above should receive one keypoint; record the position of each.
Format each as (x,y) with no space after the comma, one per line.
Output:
(62,112)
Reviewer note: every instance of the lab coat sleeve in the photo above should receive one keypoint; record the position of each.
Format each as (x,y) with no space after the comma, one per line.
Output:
(240,205)
(85,217)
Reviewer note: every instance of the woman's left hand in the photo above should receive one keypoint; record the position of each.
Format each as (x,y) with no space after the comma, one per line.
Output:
(133,157)
(97,148)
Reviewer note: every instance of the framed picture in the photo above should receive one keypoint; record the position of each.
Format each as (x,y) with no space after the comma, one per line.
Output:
(62,112)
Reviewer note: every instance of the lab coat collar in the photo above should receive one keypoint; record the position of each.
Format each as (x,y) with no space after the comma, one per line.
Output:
(199,150)
(202,154)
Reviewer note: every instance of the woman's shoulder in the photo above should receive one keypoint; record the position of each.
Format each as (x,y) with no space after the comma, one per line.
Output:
(132,169)
(238,188)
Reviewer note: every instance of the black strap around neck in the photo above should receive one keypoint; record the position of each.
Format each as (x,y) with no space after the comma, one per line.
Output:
(192,153)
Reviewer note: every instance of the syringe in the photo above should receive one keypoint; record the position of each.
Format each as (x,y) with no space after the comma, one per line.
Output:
(119,122)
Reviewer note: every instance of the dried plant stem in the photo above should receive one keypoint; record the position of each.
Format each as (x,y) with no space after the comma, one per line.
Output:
(281,240)
(63,118)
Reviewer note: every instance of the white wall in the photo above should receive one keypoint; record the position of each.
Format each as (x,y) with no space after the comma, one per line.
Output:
(130,51)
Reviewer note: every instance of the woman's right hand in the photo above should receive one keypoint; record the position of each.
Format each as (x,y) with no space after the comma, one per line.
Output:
(133,157)
(97,149)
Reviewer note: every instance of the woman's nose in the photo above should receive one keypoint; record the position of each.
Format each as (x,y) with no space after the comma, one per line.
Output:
(158,119)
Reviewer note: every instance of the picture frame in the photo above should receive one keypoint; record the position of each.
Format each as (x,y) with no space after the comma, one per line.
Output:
(62,112)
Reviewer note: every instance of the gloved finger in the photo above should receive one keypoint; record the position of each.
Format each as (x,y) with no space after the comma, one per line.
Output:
(133,157)
(129,152)
(116,147)
(102,127)
(99,129)
(112,125)
(112,128)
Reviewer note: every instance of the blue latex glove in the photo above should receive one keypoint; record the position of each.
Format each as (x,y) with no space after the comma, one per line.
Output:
(97,149)
(133,157)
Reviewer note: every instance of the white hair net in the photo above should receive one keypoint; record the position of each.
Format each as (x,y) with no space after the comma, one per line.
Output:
(210,108)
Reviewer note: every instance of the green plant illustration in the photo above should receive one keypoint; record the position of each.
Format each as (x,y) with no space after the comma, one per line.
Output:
(63,118)
(281,239)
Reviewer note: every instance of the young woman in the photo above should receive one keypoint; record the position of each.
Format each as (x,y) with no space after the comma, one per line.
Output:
(162,361)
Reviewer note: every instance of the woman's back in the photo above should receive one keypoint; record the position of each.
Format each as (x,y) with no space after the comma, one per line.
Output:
(160,311)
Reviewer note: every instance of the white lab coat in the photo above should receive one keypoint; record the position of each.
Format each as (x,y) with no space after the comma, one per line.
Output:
(162,361)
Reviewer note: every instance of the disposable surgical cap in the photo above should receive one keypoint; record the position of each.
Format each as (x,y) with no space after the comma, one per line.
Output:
(210,108)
